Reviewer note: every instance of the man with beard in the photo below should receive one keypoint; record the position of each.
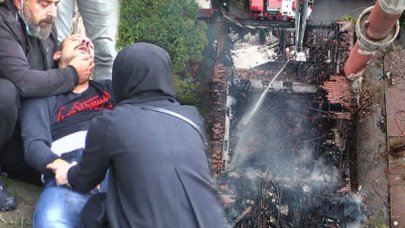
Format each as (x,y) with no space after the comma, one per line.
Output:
(154,149)
(27,44)
(54,129)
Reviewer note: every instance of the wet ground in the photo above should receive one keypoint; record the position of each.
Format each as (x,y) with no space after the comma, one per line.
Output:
(370,147)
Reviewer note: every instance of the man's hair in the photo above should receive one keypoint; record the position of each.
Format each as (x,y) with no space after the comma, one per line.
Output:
(60,45)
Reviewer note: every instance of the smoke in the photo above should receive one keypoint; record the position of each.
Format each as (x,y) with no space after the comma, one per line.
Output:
(354,210)
(274,139)
(281,143)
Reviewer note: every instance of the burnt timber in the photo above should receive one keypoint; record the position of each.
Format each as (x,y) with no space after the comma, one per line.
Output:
(290,165)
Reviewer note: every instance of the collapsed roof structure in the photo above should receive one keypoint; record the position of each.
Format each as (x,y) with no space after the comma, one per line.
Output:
(281,126)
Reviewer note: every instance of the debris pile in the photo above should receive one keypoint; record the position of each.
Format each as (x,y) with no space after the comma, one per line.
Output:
(288,166)
(339,93)
(216,124)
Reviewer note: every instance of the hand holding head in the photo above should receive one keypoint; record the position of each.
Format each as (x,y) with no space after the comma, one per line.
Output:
(73,46)
(77,51)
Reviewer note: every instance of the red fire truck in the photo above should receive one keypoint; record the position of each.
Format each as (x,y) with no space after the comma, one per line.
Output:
(280,10)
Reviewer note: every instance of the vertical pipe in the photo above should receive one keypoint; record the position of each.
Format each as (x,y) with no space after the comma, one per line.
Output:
(303,22)
(376,27)
(357,60)
(380,22)
(297,23)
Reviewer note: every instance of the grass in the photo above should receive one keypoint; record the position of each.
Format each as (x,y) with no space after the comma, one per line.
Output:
(26,195)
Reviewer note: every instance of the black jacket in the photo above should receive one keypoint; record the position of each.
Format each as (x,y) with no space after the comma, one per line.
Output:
(159,174)
(16,53)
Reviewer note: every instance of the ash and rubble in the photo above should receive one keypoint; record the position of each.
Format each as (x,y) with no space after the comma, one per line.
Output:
(289,166)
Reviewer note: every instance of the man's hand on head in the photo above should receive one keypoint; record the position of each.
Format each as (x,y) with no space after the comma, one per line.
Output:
(78,52)
(84,65)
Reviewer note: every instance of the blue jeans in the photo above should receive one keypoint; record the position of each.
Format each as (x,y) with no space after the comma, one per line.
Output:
(100,19)
(58,207)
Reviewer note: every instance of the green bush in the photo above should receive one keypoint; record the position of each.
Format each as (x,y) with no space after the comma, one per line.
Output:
(171,24)
(186,93)
(349,18)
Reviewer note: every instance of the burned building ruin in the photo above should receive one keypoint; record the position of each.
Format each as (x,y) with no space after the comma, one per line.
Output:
(280,146)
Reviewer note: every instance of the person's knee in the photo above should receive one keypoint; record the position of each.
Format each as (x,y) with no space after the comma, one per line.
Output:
(59,206)
(104,51)
(47,217)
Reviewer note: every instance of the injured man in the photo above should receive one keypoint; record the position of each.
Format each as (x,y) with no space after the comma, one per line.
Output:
(55,128)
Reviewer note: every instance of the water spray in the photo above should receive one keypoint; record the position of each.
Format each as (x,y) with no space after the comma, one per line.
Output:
(249,116)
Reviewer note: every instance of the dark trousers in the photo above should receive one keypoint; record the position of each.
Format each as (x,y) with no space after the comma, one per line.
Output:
(12,159)
(9,108)
(93,214)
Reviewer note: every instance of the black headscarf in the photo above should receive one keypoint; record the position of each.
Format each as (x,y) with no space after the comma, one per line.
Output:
(140,69)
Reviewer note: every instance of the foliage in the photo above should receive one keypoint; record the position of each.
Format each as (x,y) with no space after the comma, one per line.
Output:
(172,24)
(349,18)
(186,91)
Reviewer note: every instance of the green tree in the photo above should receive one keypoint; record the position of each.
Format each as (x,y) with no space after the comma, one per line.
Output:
(171,24)
(186,91)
